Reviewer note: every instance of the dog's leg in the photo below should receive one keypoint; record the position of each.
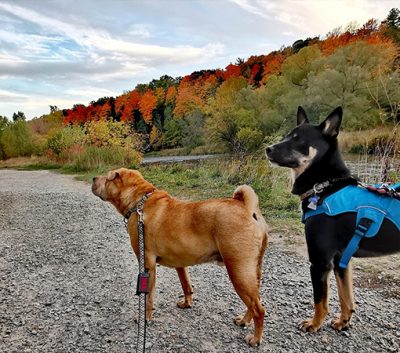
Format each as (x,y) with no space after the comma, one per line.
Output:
(319,277)
(344,280)
(245,282)
(187,301)
(245,318)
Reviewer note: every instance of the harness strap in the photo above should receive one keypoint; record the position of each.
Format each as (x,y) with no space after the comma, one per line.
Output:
(359,233)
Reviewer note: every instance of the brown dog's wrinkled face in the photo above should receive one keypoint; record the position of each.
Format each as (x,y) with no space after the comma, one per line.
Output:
(116,186)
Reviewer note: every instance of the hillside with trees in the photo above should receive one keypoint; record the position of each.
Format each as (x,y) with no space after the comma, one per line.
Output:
(233,109)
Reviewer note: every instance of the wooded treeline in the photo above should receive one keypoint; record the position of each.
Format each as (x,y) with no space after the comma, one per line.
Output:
(235,108)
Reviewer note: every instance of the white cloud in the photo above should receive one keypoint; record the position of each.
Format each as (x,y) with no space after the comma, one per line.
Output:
(255,9)
(89,92)
(140,30)
(8,96)
(311,17)
(92,38)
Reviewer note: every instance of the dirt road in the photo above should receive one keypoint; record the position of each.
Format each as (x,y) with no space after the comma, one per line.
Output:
(67,285)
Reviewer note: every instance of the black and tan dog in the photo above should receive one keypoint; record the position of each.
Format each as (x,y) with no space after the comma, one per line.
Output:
(312,153)
(179,234)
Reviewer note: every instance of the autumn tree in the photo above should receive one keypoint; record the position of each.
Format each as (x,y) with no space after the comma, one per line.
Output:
(346,80)
(187,100)
(147,104)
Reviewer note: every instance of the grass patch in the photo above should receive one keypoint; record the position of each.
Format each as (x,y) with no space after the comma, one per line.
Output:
(219,178)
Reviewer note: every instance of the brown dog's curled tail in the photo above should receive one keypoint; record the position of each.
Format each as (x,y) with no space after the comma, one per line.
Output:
(247,195)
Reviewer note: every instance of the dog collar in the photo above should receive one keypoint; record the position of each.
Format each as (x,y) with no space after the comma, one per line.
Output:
(138,206)
(317,188)
(320,187)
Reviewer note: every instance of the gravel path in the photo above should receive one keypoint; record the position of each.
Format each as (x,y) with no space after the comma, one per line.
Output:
(67,285)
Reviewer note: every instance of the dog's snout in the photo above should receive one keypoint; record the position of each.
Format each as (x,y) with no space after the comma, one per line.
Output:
(269,149)
(94,179)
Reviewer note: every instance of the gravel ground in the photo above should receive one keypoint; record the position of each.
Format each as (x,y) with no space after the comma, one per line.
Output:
(67,285)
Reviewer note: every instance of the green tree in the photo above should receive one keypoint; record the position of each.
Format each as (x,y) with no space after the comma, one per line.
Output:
(19,116)
(17,139)
(392,28)
(297,67)
(3,125)
(346,80)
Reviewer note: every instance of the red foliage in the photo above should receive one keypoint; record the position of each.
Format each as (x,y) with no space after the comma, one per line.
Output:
(232,71)
(127,106)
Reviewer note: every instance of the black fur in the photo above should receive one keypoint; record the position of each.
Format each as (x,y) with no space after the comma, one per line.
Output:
(327,237)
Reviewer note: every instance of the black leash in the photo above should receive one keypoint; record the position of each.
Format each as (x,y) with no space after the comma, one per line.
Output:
(142,287)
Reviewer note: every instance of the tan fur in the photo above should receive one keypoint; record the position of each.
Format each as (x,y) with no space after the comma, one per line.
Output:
(304,162)
(181,234)
(346,298)
(321,310)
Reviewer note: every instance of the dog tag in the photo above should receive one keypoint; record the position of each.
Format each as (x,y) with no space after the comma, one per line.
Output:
(313,202)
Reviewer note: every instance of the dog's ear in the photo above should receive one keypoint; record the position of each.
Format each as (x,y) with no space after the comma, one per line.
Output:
(330,126)
(112,175)
(301,116)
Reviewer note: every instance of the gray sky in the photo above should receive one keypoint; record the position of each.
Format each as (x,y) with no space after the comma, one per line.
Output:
(62,52)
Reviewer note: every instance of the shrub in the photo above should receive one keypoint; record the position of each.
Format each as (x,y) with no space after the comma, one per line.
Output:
(16,140)
(64,139)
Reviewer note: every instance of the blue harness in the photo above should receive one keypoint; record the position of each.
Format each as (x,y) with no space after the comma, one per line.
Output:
(371,210)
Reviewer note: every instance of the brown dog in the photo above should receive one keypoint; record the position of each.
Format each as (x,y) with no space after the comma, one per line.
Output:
(180,234)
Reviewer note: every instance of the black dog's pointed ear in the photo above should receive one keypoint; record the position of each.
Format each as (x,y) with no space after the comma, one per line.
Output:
(301,116)
(330,126)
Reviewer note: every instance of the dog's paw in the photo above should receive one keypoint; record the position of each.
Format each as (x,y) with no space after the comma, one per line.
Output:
(309,326)
(241,320)
(184,304)
(339,324)
(251,340)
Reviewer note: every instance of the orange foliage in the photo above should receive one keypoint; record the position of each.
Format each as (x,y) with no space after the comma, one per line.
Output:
(160,95)
(171,95)
(272,65)
(147,104)
(187,99)
(131,104)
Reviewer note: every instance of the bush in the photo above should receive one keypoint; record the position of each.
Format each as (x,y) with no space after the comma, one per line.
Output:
(16,140)
(64,139)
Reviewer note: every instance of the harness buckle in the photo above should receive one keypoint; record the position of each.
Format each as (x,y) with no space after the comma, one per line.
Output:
(318,188)
(140,215)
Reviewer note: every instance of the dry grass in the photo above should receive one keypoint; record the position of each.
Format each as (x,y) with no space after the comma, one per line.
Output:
(20,162)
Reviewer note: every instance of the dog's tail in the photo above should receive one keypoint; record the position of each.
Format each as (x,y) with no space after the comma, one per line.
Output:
(247,195)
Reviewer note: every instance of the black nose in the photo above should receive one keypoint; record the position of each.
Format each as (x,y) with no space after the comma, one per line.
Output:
(269,149)
(94,178)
